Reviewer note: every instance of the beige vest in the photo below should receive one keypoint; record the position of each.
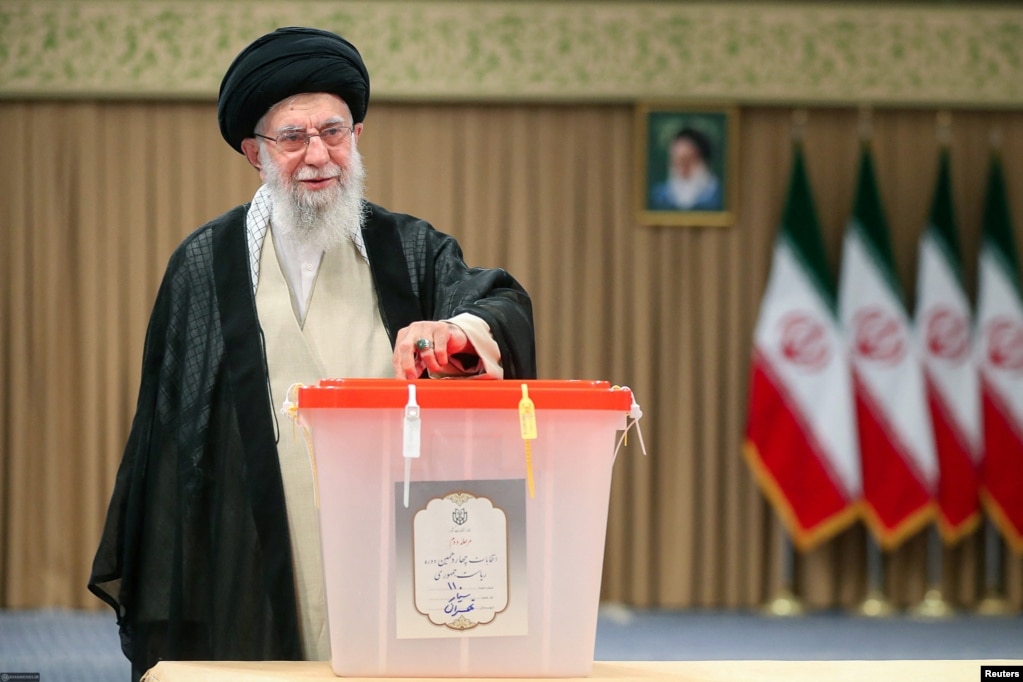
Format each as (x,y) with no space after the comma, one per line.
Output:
(342,336)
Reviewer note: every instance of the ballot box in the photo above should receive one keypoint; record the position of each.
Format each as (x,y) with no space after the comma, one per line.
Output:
(463,522)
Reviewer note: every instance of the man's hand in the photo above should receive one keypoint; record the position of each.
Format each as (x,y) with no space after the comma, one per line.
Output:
(428,345)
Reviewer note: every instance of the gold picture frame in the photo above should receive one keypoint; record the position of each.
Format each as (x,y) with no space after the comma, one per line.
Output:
(687,164)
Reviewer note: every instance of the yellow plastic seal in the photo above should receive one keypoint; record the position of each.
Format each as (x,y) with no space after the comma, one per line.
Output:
(527,424)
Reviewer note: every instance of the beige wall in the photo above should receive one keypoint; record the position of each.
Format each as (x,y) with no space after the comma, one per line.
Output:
(921,53)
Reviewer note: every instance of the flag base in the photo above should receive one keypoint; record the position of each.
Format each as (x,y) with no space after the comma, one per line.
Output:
(876,605)
(994,604)
(933,606)
(784,605)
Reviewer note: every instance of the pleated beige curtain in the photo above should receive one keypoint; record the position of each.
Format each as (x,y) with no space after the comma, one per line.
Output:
(94,196)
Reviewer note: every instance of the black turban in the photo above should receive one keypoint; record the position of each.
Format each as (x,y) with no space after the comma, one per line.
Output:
(288,62)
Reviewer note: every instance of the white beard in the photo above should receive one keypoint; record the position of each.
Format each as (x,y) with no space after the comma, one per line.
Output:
(323,218)
(686,191)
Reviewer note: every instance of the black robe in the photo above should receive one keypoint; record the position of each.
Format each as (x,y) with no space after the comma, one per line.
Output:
(195,556)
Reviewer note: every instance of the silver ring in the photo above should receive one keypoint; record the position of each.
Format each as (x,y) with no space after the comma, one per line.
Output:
(424,344)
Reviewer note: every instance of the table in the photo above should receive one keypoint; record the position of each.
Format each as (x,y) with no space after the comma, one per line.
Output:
(619,671)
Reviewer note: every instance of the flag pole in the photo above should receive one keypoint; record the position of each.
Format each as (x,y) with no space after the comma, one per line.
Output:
(865,124)
(933,605)
(799,120)
(875,604)
(994,602)
(784,603)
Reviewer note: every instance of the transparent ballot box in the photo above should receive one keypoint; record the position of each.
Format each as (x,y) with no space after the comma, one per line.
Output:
(463,522)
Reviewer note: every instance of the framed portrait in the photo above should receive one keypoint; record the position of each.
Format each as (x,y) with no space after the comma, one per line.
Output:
(687,164)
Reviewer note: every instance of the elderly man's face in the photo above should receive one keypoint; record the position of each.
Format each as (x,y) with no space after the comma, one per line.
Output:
(685,158)
(316,166)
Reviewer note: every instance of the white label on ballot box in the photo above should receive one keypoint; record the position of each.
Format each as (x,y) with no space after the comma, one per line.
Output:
(463,559)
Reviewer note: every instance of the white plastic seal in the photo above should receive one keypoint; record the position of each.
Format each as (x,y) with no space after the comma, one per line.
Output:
(635,414)
(411,442)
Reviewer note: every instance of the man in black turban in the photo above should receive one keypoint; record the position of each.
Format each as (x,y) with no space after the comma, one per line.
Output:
(211,545)
(283,63)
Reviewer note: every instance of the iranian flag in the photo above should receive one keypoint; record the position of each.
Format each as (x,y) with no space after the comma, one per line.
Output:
(900,471)
(800,435)
(945,333)
(1000,351)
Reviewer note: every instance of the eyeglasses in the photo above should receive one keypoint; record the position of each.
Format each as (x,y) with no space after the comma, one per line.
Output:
(297,140)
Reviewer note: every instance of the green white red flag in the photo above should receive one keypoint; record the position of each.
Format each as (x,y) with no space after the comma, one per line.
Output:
(800,433)
(1000,356)
(899,466)
(945,332)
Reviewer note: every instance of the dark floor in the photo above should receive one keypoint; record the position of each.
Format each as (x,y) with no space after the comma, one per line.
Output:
(71,646)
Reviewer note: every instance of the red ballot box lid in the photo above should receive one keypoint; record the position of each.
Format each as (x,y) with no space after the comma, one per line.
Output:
(461,393)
